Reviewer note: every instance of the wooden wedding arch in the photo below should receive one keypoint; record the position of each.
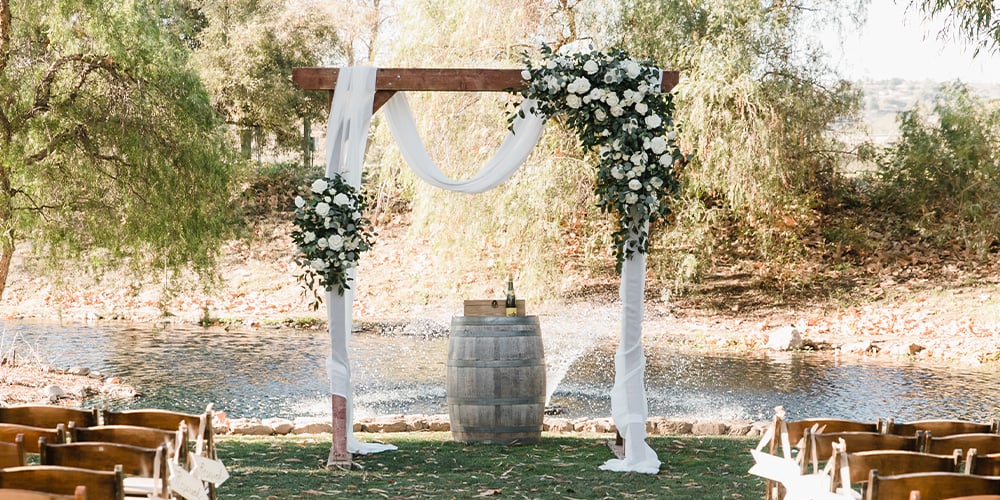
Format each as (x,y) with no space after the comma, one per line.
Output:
(388,81)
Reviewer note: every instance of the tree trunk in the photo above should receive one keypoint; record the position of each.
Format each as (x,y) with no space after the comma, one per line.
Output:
(6,256)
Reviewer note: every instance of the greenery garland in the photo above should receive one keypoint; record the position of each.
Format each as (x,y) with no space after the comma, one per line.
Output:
(331,233)
(614,103)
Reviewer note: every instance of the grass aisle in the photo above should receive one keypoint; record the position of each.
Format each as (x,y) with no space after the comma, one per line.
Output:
(430,465)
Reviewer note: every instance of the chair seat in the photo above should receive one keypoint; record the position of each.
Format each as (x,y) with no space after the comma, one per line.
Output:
(139,486)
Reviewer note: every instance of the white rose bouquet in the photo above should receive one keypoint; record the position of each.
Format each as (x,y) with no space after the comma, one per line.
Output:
(614,104)
(330,233)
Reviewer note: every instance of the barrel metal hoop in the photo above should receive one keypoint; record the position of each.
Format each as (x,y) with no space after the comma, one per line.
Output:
(495,401)
(494,430)
(496,333)
(496,363)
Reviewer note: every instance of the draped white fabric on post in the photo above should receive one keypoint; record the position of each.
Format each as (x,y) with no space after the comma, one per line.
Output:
(347,136)
(629,409)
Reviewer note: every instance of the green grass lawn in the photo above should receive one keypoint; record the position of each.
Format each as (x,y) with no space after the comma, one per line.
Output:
(430,465)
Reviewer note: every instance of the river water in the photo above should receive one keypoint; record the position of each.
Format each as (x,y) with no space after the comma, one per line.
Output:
(281,373)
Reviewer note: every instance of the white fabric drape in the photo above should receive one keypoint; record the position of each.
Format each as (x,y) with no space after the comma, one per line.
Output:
(347,135)
(509,157)
(629,408)
(346,139)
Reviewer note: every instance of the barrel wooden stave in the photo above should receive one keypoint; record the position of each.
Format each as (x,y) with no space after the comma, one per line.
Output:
(496,379)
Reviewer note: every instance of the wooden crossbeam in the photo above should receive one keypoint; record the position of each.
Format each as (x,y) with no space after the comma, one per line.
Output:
(388,81)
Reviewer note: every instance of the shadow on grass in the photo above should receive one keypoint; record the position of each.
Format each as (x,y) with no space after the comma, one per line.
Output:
(430,465)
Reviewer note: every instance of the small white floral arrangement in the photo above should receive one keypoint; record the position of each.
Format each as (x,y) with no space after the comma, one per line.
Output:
(614,104)
(330,233)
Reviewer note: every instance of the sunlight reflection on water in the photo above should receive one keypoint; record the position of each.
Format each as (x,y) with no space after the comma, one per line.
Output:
(280,373)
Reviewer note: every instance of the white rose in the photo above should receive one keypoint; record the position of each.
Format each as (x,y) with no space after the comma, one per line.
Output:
(641,108)
(634,185)
(596,94)
(322,209)
(551,64)
(617,111)
(638,158)
(336,242)
(319,185)
(553,84)
(666,160)
(631,198)
(309,237)
(318,264)
(600,115)
(581,85)
(525,75)
(300,202)
(652,121)
(671,135)
(573,101)
(611,99)
(656,182)
(341,199)
(632,69)
(658,145)
(591,67)
(321,243)
(617,173)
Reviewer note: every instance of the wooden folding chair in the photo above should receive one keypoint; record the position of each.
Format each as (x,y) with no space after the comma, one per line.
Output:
(940,427)
(18,494)
(984,443)
(47,415)
(9,433)
(787,435)
(850,468)
(143,437)
(982,465)
(928,485)
(101,485)
(145,469)
(12,454)
(819,447)
(199,426)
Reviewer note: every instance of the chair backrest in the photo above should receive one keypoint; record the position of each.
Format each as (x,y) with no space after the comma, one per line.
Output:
(18,494)
(143,437)
(929,485)
(168,420)
(855,467)
(47,415)
(982,465)
(134,460)
(9,433)
(940,427)
(103,485)
(12,454)
(819,447)
(797,428)
(985,443)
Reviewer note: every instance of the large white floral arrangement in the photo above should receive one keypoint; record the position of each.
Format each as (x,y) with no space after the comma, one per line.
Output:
(331,233)
(614,103)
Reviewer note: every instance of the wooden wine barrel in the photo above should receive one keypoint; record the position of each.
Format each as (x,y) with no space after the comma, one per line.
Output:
(496,379)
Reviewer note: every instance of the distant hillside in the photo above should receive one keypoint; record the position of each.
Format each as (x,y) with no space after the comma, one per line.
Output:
(885,99)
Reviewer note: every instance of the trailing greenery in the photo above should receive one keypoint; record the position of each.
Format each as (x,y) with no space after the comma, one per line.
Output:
(942,177)
(430,465)
(109,147)
(614,104)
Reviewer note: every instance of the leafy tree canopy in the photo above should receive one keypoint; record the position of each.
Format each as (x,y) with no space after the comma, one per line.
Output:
(976,21)
(108,140)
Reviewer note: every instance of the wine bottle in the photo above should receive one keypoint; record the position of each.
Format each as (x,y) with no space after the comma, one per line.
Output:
(511,307)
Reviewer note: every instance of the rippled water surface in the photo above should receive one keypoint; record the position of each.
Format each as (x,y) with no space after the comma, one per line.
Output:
(281,373)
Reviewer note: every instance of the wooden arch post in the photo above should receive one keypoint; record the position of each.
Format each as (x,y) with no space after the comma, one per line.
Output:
(388,81)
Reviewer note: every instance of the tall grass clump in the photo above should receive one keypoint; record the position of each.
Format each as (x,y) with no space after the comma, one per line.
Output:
(942,177)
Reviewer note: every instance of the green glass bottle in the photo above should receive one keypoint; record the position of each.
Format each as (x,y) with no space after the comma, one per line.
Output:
(511,307)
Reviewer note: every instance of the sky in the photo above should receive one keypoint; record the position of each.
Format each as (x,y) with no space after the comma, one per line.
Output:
(895,43)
